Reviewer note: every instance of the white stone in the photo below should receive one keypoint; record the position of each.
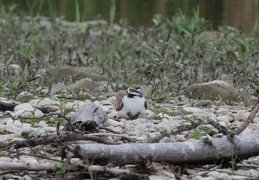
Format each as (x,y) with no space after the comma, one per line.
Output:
(239,177)
(256,120)
(22,106)
(224,176)
(17,123)
(30,113)
(162,115)
(44,102)
(162,128)
(190,110)
(75,104)
(49,129)
(117,129)
(111,122)
(27,177)
(129,127)
(106,102)
(27,129)
(253,173)
(203,178)
(14,70)
(106,109)
(145,127)
(223,124)
(2,128)
(32,131)
(41,124)
(190,171)
(157,177)
(112,114)
(241,115)
(180,138)
(13,126)
(26,124)
(225,119)
(214,174)
(25,97)
(38,132)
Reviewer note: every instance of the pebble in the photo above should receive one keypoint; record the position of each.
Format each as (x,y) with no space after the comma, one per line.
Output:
(25,97)
(224,118)
(253,173)
(203,178)
(22,106)
(190,110)
(44,102)
(76,104)
(145,127)
(113,123)
(190,171)
(2,128)
(224,176)
(156,177)
(204,103)
(29,113)
(241,115)
(41,124)
(49,129)
(214,174)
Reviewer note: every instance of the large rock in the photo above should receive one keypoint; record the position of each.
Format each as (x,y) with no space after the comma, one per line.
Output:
(87,118)
(78,73)
(212,90)
(85,83)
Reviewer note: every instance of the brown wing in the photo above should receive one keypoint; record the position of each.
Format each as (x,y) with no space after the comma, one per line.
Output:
(118,104)
(146,104)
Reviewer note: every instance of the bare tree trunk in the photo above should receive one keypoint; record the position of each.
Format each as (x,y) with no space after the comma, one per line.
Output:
(197,151)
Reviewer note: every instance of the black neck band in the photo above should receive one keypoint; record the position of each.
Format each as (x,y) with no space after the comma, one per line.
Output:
(132,95)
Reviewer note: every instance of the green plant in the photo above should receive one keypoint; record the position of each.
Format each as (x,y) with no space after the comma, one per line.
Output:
(197,134)
(157,19)
(189,27)
(112,11)
(163,111)
(32,5)
(189,117)
(52,9)
(61,104)
(246,99)
(77,11)
(233,160)
(58,167)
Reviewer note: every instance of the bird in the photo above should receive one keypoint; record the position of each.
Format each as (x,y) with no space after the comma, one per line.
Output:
(130,103)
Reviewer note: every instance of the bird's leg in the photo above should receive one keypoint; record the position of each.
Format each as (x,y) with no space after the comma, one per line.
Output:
(130,116)
(136,116)
(133,117)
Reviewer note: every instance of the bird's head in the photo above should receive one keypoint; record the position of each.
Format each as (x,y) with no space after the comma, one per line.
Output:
(135,90)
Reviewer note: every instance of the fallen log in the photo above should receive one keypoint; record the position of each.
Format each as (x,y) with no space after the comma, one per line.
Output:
(189,152)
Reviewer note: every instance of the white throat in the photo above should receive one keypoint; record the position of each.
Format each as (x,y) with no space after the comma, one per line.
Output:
(134,93)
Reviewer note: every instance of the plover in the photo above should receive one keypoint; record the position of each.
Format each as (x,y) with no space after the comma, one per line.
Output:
(131,103)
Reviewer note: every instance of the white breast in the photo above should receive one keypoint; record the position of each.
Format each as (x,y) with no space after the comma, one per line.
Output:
(133,105)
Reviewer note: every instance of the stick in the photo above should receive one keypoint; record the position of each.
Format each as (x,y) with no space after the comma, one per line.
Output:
(53,139)
(249,119)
